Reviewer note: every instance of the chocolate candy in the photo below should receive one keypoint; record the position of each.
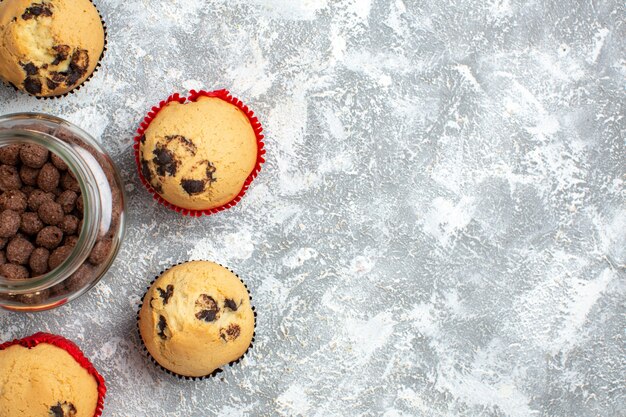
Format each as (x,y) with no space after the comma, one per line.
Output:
(34,156)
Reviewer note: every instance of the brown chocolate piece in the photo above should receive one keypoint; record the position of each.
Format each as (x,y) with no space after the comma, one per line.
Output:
(63,51)
(32,85)
(80,205)
(37,10)
(208,308)
(37,198)
(51,213)
(48,178)
(145,170)
(9,223)
(13,200)
(165,161)
(70,240)
(68,182)
(29,175)
(9,178)
(162,327)
(230,333)
(49,237)
(14,272)
(100,251)
(64,409)
(30,68)
(67,200)
(38,261)
(59,255)
(34,156)
(39,297)
(3,242)
(230,304)
(79,279)
(10,154)
(18,251)
(31,224)
(58,162)
(166,294)
(192,187)
(69,225)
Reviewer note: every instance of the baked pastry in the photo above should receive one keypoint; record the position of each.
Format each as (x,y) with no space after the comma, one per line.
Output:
(195,318)
(47,375)
(49,47)
(198,155)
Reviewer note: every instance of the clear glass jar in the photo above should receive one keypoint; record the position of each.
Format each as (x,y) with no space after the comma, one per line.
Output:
(103,221)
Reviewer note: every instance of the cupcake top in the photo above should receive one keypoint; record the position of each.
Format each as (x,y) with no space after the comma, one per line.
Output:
(195,318)
(198,155)
(49,47)
(45,380)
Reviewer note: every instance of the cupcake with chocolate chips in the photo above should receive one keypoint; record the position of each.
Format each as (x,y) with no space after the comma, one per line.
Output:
(195,318)
(49,47)
(47,375)
(200,156)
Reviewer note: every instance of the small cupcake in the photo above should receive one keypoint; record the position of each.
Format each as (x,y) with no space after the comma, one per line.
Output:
(49,47)
(199,157)
(47,375)
(195,318)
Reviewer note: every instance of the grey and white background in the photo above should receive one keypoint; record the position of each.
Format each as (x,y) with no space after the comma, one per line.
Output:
(440,226)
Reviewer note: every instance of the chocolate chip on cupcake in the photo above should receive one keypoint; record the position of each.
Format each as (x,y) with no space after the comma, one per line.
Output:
(49,47)
(195,318)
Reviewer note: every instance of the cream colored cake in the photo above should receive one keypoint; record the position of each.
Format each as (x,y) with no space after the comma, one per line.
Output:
(45,381)
(49,47)
(198,155)
(195,318)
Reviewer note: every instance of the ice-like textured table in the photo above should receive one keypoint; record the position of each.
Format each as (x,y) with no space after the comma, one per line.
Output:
(439,229)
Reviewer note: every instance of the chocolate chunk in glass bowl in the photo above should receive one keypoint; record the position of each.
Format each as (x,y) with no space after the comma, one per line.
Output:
(14,272)
(37,198)
(48,178)
(34,156)
(29,175)
(51,213)
(31,224)
(10,154)
(49,237)
(18,251)
(13,200)
(9,223)
(9,178)
(58,162)
(38,261)
(58,256)
(100,251)
(67,200)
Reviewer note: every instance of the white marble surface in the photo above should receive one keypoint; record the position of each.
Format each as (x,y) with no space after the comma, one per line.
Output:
(439,229)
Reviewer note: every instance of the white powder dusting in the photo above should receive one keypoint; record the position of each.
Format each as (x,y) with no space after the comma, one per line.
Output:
(226,248)
(367,336)
(298,258)
(598,39)
(445,219)
(293,401)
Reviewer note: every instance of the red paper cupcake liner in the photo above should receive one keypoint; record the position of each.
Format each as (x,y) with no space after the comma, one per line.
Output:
(71,348)
(218,370)
(193,96)
(75,89)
